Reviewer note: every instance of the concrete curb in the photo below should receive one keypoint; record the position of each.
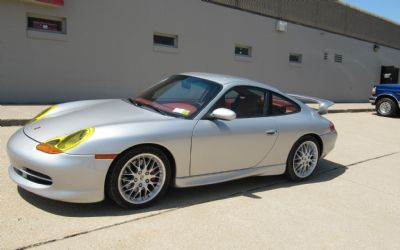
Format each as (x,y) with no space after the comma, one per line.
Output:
(13,122)
(350,110)
(21,122)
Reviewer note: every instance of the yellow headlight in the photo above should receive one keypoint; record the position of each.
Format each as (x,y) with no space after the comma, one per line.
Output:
(65,143)
(42,114)
(75,139)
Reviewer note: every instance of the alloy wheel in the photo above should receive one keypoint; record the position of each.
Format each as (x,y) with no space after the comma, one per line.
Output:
(141,178)
(305,159)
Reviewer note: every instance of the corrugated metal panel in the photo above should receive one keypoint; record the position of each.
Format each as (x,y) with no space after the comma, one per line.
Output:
(269,8)
(331,20)
(300,11)
(329,15)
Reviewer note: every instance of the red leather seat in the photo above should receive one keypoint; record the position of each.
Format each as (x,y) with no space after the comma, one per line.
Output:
(247,106)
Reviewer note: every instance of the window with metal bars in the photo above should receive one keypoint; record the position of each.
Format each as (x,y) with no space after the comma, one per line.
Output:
(50,24)
(242,50)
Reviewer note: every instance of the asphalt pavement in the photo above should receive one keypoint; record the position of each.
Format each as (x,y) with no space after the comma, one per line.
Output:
(352,202)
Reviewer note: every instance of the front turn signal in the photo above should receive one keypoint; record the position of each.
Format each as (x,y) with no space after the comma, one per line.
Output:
(48,148)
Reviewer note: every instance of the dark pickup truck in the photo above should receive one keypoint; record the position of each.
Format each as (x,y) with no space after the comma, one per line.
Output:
(386,98)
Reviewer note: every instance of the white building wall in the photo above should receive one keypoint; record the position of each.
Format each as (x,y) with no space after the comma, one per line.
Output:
(108,51)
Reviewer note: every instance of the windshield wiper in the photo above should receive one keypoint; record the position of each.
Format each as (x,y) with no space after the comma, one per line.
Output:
(140,104)
(133,101)
(154,108)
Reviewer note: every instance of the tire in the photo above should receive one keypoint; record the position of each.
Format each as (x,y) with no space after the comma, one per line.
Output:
(144,168)
(386,107)
(296,163)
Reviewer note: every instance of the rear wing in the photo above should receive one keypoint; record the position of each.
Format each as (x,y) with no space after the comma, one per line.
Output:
(323,104)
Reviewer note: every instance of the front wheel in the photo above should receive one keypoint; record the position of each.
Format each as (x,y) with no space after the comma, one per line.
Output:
(386,107)
(139,177)
(303,158)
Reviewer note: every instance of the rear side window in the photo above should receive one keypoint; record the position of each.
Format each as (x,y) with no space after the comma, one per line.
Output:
(281,106)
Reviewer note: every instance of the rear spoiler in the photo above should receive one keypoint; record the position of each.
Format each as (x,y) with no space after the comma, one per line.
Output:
(323,104)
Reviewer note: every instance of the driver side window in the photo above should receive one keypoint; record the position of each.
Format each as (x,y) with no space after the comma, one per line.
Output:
(246,102)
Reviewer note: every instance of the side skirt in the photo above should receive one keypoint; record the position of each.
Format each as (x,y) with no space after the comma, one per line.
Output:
(207,179)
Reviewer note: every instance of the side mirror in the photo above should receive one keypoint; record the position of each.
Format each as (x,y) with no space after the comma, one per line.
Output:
(223,114)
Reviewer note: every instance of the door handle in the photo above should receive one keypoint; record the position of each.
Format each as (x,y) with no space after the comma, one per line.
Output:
(271,132)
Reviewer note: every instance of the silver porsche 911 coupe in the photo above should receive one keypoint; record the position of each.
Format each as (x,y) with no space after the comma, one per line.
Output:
(188,130)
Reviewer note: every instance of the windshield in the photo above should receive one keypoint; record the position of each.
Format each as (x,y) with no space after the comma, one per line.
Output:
(179,95)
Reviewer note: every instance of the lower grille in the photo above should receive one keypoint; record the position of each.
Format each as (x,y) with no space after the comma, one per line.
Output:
(34,176)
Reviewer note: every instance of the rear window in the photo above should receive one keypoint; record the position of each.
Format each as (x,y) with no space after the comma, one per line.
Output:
(282,106)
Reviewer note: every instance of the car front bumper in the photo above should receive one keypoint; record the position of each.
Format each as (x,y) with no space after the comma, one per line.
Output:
(372,100)
(64,177)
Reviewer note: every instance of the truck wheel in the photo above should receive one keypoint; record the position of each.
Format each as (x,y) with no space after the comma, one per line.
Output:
(386,107)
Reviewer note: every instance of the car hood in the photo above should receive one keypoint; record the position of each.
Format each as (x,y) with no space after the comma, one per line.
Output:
(67,118)
(388,86)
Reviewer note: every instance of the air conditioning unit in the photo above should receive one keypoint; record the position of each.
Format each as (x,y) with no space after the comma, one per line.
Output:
(281,26)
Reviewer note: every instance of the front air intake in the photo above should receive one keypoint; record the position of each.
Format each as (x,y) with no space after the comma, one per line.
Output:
(34,176)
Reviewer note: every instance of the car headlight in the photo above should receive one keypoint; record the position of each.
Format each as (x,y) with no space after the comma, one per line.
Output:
(42,114)
(373,91)
(64,143)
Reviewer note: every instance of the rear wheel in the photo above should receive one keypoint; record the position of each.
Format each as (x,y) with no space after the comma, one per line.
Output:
(386,107)
(303,158)
(139,177)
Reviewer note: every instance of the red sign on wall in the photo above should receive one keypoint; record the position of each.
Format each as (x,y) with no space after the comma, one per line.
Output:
(48,2)
(53,2)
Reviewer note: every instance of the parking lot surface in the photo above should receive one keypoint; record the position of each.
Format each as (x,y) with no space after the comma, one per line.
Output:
(353,201)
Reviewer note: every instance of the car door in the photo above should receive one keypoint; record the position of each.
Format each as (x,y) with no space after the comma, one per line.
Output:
(219,146)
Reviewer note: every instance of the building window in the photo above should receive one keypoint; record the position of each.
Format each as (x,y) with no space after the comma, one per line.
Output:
(46,24)
(338,58)
(325,56)
(241,50)
(165,40)
(295,58)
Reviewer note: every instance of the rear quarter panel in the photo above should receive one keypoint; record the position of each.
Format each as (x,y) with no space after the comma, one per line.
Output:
(291,128)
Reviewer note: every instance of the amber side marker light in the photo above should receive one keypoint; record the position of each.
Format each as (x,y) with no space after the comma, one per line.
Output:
(105,156)
(49,149)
